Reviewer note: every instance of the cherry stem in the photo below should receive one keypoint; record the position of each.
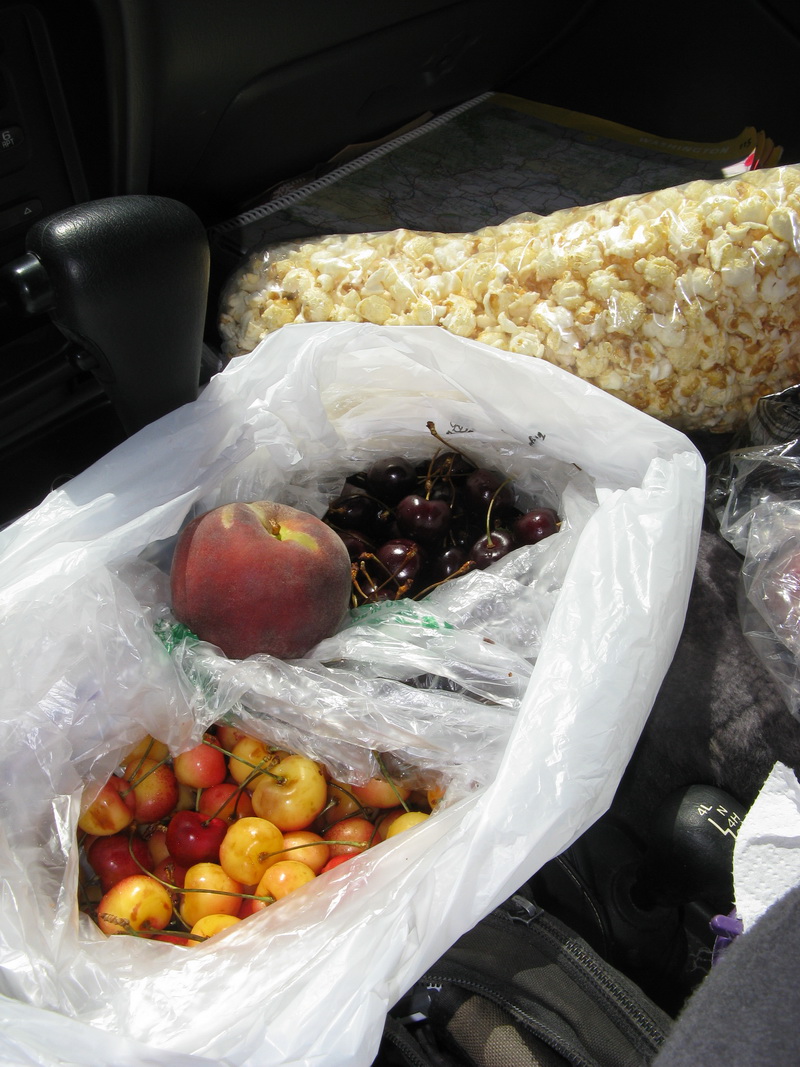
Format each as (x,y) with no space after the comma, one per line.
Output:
(332,803)
(447,444)
(467,565)
(240,789)
(130,931)
(430,481)
(144,756)
(292,848)
(391,575)
(352,844)
(257,768)
(354,573)
(133,781)
(183,889)
(360,567)
(388,778)
(489,541)
(117,920)
(446,473)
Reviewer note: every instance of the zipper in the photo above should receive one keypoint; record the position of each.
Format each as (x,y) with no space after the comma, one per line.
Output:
(630,1016)
(635,1015)
(527,913)
(406,1046)
(539,1030)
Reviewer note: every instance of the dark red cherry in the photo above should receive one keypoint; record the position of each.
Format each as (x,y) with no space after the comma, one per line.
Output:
(402,558)
(450,465)
(391,478)
(356,510)
(484,487)
(448,562)
(114,857)
(535,525)
(355,543)
(421,519)
(371,583)
(491,547)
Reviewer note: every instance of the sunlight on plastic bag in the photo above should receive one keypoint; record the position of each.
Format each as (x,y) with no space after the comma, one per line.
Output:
(85,674)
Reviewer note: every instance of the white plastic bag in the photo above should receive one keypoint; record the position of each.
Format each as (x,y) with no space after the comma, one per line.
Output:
(309,980)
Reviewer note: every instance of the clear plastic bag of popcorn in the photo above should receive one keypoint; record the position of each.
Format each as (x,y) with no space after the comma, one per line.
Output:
(683,302)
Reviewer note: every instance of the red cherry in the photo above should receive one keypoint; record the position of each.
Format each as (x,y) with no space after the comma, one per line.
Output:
(193,837)
(350,836)
(229,801)
(173,875)
(334,861)
(115,857)
(170,937)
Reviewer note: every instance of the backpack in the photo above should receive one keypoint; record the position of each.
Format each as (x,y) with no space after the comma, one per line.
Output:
(521,989)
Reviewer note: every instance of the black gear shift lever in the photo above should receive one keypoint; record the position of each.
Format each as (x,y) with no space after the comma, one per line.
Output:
(126,278)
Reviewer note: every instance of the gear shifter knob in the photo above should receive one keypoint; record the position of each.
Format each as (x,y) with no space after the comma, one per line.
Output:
(690,857)
(126,278)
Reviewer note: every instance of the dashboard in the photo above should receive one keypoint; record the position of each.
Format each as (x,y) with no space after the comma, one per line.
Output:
(217,104)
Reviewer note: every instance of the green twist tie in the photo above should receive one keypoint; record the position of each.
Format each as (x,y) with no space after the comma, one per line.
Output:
(172,633)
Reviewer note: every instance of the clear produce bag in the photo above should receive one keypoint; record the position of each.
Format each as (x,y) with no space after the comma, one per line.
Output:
(586,628)
(754,496)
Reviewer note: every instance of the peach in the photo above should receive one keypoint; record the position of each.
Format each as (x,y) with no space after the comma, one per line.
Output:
(260,577)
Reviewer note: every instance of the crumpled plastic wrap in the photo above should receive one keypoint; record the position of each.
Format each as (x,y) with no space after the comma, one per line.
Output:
(436,683)
(586,626)
(754,496)
(682,302)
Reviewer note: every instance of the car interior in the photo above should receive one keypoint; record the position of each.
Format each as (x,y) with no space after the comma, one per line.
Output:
(216,105)
(132,130)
